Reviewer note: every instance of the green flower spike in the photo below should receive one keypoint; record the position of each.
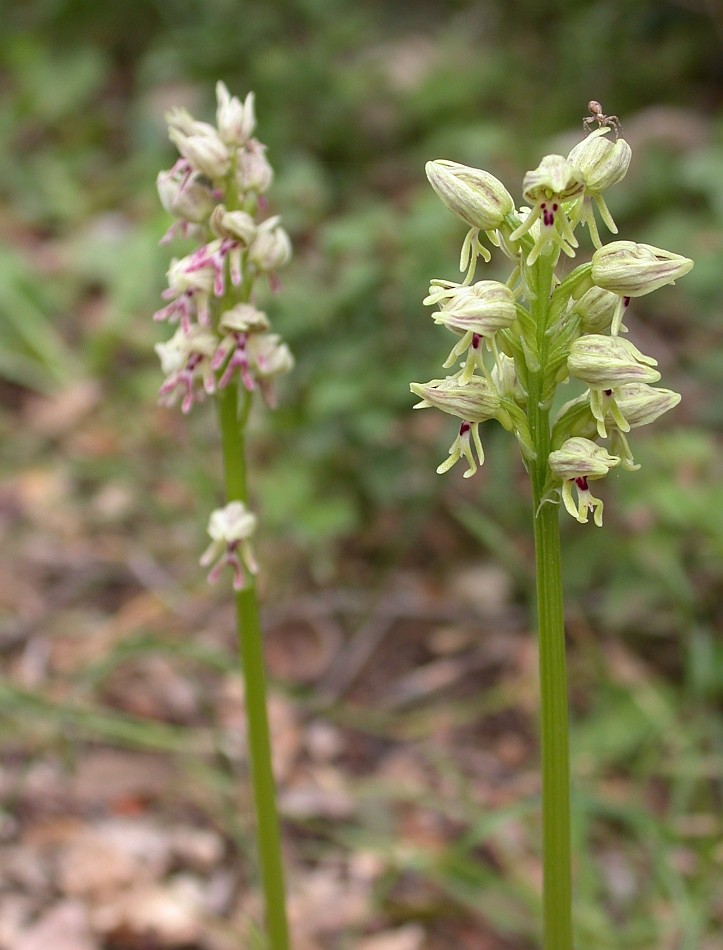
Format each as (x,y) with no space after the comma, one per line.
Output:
(578,462)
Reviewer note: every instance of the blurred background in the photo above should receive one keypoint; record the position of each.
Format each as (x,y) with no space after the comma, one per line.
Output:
(396,602)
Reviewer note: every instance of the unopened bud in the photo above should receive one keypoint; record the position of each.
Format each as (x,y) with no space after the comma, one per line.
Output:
(474,401)
(633,270)
(236,121)
(181,120)
(475,196)
(602,162)
(206,153)
(554,177)
(271,357)
(505,378)
(604,362)
(237,225)
(253,171)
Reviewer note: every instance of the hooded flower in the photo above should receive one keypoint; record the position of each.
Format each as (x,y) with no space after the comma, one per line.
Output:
(547,187)
(603,163)
(189,286)
(578,462)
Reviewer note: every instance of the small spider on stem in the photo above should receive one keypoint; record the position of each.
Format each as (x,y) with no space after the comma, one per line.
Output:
(597,115)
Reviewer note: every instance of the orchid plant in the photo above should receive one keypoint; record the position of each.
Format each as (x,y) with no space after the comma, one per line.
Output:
(517,342)
(223,349)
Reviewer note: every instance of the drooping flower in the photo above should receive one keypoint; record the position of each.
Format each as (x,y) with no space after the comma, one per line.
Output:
(186,361)
(578,462)
(189,287)
(606,363)
(230,529)
(237,324)
(603,163)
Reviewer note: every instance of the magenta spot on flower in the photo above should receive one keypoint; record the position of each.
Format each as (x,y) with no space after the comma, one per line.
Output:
(608,392)
(464,428)
(554,207)
(543,205)
(626,301)
(475,341)
(581,483)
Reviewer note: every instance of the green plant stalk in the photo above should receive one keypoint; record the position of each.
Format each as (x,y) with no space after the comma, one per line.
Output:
(233,427)
(557,876)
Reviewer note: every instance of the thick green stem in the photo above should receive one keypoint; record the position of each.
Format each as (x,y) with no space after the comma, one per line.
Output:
(233,425)
(557,896)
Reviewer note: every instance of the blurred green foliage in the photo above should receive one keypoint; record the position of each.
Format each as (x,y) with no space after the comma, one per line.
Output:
(352,99)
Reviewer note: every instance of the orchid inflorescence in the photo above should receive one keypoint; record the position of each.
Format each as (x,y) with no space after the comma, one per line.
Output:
(215,192)
(583,318)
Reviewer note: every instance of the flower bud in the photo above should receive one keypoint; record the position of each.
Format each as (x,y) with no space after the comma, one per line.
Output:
(244,318)
(182,121)
(596,309)
(474,402)
(602,162)
(482,308)
(236,122)
(192,202)
(475,196)
(633,270)
(206,153)
(237,225)
(642,404)
(272,247)
(554,177)
(604,362)
(253,171)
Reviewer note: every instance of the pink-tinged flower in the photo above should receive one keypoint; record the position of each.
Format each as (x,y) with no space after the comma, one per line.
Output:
(185,198)
(238,323)
(189,286)
(230,529)
(269,357)
(272,247)
(186,361)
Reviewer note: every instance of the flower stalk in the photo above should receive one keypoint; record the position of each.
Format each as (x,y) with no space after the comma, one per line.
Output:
(223,349)
(542,328)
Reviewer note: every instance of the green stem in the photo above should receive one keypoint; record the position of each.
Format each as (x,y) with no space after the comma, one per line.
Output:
(233,424)
(557,889)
